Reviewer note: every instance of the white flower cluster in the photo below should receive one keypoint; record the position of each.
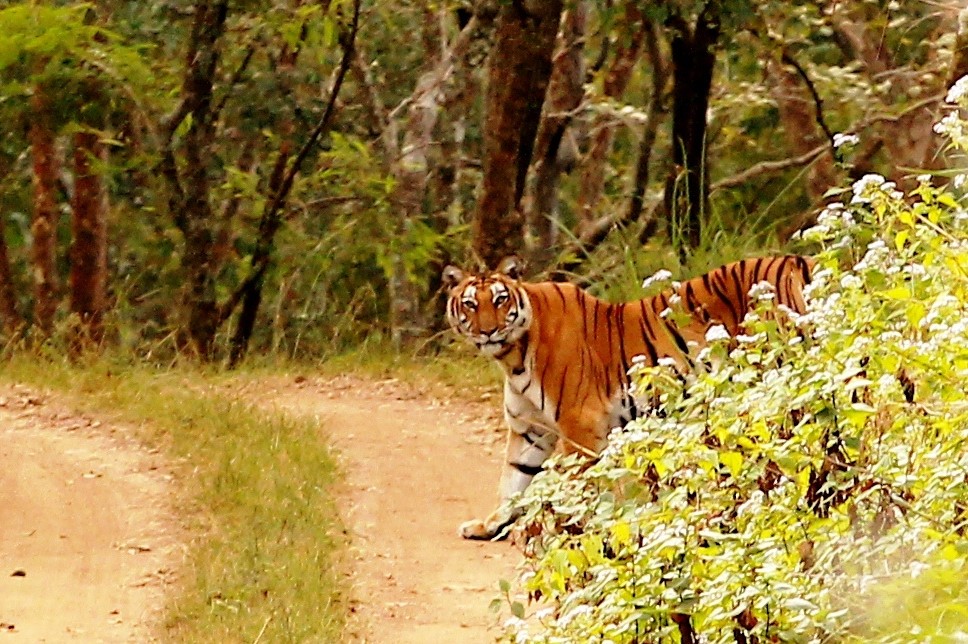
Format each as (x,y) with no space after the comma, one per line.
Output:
(958,93)
(841,139)
(878,257)
(952,125)
(870,186)
(762,292)
(833,219)
(659,277)
(717,333)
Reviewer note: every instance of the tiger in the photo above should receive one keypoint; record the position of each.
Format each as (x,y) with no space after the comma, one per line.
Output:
(566,354)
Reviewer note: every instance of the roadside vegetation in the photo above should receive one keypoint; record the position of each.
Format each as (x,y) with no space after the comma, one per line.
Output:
(811,485)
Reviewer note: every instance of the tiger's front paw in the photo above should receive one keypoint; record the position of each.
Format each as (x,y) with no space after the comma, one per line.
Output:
(491,529)
(474,529)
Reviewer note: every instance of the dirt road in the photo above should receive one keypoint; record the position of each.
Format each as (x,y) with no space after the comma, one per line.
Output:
(86,537)
(415,467)
(86,542)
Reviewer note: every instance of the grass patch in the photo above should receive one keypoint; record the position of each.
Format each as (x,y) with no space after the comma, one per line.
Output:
(263,556)
(457,370)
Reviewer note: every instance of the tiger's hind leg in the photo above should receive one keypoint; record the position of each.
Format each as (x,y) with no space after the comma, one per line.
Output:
(527,449)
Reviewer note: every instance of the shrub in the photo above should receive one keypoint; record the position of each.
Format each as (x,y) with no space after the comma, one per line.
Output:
(811,485)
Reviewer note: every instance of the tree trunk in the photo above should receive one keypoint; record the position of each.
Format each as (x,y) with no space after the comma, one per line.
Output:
(412,172)
(88,253)
(555,150)
(268,226)
(10,320)
(656,114)
(189,188)
(518,73)
(627,53)
(44,225)
(687,185)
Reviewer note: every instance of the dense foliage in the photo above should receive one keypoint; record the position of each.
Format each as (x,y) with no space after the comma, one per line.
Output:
(811,485)
(200,108)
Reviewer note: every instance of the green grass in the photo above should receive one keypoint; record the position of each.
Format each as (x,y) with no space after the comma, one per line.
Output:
(255,494)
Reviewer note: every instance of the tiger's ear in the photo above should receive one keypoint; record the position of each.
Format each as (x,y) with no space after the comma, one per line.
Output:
(512,266)
(451,276)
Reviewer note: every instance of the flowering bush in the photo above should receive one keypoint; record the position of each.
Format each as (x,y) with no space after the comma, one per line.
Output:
(811,485)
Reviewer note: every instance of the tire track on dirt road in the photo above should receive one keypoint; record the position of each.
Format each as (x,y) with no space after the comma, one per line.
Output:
(87,540)
(415,467)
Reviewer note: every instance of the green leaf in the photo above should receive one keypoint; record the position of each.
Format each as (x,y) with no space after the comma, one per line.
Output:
(733,461)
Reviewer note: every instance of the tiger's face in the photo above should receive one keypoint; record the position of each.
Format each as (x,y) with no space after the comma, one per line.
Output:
(490,310)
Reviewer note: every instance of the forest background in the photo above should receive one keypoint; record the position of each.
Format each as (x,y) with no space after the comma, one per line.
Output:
(217,176)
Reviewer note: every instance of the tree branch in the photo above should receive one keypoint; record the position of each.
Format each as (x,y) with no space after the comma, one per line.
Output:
(788,58)
(768,167)
(271,215)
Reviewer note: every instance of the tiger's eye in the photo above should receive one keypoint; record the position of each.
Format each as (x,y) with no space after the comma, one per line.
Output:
(469,303)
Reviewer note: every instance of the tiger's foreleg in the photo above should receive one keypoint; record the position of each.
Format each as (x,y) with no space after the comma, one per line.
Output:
(527,449)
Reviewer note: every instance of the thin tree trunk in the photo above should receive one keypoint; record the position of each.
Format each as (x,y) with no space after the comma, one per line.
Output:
(412,173)
(555,151)
(44,225)
(88,253)
(10,320)
(656,114)
(249,293)
(190,189)
(518,73)
(687,185)
(595,232)
(627,53)
(268,226)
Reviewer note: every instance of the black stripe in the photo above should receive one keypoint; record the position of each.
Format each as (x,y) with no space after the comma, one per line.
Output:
(649,347)
(677,338)
(561,294)
(692,303)
(726,301)
(527,436)
(609,309)
(804,266)
(542,384)
(736,303)
(623,356)
(584,311)
(595,317)
(561,393)
(649,316)
(530,470)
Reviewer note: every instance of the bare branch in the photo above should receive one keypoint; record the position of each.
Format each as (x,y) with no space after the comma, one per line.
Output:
(769,167)
(788,58)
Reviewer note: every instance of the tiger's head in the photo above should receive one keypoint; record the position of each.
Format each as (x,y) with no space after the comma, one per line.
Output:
(491,310)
